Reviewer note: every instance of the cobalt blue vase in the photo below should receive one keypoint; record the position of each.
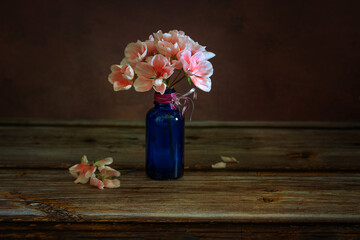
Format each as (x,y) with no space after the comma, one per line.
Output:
(164,140)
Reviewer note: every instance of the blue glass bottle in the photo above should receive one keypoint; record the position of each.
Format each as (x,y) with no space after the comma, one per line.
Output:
(164,141)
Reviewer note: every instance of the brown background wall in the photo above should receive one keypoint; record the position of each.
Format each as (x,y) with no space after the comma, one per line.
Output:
(276,60)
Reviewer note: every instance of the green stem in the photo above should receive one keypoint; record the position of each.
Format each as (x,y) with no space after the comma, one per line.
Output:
(178,74)
(175,82)
(176,78)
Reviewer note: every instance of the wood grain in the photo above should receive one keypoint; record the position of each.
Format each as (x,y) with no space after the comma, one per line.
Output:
(242,197)
(257,148)
(156,231)
(293,181)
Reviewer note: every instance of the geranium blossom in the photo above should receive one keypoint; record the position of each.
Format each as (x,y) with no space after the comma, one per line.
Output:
(135,52)
(168,44)
(121,77)
(198,69)
(150,44)
(85,171)
(196,47)
(150,64)
(186,43)
(152,74)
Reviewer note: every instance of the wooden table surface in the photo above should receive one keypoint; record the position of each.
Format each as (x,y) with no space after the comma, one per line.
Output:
(293,181)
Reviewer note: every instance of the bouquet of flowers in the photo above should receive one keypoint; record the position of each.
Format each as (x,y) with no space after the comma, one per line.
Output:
(161,62)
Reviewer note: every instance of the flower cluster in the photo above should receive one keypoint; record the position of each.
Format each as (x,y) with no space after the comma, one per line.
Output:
(152,63)
(105,178)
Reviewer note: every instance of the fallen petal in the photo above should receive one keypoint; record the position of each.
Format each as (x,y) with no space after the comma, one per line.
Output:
(74,172)
(82,178)
(89,172)
(96,182)
(219,165)
(109,172)
(106,161)
(115,183)
(229,159)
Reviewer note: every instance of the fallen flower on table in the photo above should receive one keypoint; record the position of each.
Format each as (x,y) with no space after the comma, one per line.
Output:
(105,178)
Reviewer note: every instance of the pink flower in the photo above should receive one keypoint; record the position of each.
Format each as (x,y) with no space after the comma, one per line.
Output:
(83,171)
(150,44)
(121,77)
(196,47)
(187,44)
(152,74)
(150,64)
(135,52)
(168,49)
(168,44)
(198,68)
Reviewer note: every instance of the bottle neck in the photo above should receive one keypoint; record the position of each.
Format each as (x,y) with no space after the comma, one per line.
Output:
(164,101)
(162,106)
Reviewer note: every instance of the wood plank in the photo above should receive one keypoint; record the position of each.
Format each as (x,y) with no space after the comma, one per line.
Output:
(130,230)
(257,149)
(237,197)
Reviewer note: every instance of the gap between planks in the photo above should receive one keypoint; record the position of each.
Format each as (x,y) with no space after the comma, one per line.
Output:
(190,124)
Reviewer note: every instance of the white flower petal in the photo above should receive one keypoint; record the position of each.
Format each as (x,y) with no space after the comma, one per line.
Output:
(82,179)
(219,165)
(115,183)
(229,159)
(96,182)
(208,55)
